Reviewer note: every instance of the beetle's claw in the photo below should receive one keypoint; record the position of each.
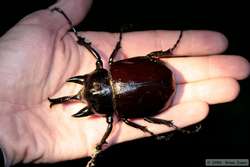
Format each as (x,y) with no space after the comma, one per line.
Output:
(197,128)
(91,162)
(166,137)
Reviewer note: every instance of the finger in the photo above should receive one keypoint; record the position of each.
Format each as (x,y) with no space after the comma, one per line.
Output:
(213,91)
(183,114)
(191,69)
(192,42)
(76,10)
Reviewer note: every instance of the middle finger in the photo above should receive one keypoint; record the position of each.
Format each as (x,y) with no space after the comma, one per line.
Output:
(192,69)
(211,91)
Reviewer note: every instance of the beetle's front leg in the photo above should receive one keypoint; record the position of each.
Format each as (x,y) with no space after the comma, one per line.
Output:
(87,45)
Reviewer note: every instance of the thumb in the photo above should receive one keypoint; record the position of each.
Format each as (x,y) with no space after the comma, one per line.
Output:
(75,10)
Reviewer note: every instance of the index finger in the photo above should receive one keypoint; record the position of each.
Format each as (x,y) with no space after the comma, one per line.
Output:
(192,43)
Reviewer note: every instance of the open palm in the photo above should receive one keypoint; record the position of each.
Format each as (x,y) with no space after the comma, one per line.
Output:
(38,55)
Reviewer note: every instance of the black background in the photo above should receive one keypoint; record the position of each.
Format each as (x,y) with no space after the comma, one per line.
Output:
(225,132)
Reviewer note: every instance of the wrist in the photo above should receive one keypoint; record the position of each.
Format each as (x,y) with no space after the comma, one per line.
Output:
(5,133)
(9,139)
(17,141)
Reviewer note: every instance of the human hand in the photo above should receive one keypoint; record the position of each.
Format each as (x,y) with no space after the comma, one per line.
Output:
(38,55)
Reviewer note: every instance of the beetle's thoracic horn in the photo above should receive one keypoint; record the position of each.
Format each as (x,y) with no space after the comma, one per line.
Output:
(80,79)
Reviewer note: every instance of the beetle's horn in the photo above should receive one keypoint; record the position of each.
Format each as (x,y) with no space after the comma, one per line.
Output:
(80,79)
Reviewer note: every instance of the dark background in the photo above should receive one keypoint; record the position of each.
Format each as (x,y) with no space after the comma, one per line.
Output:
(225,132)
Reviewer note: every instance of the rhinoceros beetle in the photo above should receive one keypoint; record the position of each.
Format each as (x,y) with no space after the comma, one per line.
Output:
(138,87)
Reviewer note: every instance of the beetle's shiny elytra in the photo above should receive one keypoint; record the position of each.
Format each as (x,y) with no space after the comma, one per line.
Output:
(138,87)
(142,87)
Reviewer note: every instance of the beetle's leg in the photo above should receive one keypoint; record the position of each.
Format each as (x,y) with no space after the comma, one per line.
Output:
(59,10)
(102,142)
(86,111)
(81,40)
(87,45)
(115,51)
(137,126)
(107,133)
(80,79)
(170,123)
(64,99)
(166,53)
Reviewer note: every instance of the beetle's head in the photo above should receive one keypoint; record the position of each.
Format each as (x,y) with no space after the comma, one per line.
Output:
(97,91)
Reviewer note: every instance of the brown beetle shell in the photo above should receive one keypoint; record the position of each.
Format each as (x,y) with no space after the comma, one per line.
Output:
(142,87)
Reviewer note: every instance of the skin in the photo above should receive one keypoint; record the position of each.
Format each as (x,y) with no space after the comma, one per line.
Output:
(38,55)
